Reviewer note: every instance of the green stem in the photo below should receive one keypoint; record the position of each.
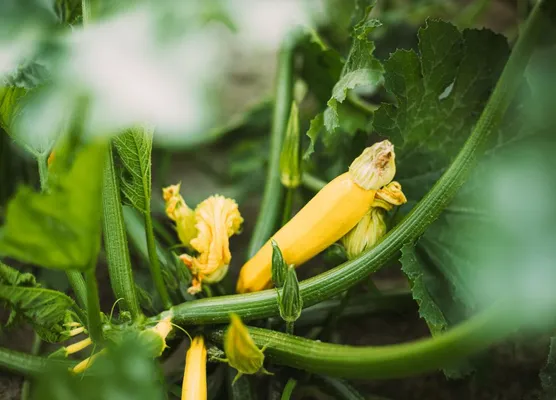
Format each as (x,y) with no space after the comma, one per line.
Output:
(312,182)
(392,361)
(42,162)
(26,388)
(288,390)
(270,204)
(264,304)
(154,263)
(75,278)
(288,205)
(79,288)
(94,324)
(289,327)
(115,241)
(29,365)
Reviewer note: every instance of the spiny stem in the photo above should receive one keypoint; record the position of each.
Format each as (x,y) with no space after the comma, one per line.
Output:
(115,241)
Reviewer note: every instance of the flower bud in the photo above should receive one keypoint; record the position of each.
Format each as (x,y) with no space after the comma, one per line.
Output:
(375,167)
(290,159)
(290,301)
(241,351)
(279,267)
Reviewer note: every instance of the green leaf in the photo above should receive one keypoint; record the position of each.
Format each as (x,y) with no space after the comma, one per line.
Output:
(417,275)
(322,66)
(361,71)
(134,148)
(46,310)
(59,229)
(315,128)
(10,105)
(439,93)
(11,276)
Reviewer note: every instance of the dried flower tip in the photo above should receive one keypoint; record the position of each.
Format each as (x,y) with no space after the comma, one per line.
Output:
(392,194)
(375,167)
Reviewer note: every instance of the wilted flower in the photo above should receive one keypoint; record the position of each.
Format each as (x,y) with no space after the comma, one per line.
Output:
(241,351)
(373,226)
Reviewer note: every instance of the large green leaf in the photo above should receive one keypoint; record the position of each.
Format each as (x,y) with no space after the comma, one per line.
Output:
(439,93)
(59,229)
(134,147)
(46,310)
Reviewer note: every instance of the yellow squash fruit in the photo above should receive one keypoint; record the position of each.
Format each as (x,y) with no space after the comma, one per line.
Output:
(326,218)
(194,386)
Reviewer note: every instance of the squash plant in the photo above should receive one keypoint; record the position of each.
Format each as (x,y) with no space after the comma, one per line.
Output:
(449,111)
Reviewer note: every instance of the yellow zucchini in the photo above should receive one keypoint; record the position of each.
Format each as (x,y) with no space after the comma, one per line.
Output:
(327,217)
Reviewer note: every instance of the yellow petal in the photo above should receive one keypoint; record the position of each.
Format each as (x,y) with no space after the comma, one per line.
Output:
(217,218)
(178,211)
(241,351)
(194,385)
(391,194)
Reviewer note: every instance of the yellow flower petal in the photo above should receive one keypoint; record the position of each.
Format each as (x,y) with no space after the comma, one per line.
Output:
(217,218)
(194,385)
(178,211)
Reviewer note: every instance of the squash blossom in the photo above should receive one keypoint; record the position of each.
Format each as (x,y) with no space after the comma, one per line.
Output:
(194,386)
(241,351)
(327,217)
(207,231)
(372,226)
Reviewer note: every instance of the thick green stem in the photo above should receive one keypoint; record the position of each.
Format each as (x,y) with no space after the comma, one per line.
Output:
(115,241)
(270,205)
(335,281)
(399,360)
(27,364)
(154,263)
(94,324)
